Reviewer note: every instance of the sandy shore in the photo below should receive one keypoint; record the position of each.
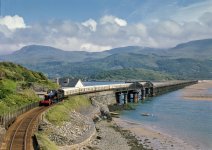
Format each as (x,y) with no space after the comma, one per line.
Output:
(106,138)
(109,136)
(152,139)
(124,135)
(200,91)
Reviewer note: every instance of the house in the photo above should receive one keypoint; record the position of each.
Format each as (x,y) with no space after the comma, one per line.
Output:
(68,82)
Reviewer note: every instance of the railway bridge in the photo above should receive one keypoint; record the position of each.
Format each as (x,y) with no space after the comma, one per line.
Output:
(140,90)
(18,135)
(130,91)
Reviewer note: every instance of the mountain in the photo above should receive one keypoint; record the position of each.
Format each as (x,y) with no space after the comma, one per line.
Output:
(190,60)
(137,50)
(132,74)
(36,53)
(199,49)
(186,68)
(87,68)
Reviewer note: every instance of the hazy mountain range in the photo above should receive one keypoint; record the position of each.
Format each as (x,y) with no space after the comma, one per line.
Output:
(192,60)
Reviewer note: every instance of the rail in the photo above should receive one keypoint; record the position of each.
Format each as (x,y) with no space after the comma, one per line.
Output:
(92,89)
(171,83)
(8,118)
(21,137)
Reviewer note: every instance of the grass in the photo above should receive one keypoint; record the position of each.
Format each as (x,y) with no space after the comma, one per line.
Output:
(119,108)
(13,101)
(61,112)
(17,85)
(18,73)
(45,143)
(129,106)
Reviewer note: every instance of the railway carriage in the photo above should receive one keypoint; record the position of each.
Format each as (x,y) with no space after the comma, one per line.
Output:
(55,96)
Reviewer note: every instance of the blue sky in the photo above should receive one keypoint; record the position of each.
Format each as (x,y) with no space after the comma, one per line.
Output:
(96,25)
(80,10)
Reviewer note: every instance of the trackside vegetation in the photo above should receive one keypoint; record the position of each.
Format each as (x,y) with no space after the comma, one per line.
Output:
(45,143)
(61,112)
(18,86)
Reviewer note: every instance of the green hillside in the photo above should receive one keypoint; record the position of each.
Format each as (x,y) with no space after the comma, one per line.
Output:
(131,74)
(90,68)
(191,60)
(199,49)
(18,86)
(33,54)
(185,68)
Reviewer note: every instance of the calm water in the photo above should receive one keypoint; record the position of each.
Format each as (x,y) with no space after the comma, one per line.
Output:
(188,120)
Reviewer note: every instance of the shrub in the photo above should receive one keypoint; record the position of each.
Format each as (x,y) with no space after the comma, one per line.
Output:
(61,112)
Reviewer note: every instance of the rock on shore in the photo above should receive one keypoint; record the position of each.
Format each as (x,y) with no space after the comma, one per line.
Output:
(75,131)
(81,133)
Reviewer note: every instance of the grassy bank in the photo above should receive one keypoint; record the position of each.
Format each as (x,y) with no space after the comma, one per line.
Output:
(12,99)
(45,143)
(61,112)
(18,86)
(117,108)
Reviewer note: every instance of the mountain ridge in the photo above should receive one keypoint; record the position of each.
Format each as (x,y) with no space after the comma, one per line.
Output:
(195,56)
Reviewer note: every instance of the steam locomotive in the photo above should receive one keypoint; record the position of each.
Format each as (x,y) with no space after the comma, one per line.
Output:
(52,96)
(55,96)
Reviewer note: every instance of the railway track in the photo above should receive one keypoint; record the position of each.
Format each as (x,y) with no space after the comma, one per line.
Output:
(19,135)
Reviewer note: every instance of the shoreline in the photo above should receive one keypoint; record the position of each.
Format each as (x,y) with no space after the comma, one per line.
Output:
(198,98)
(200,91)
(128,135)
(110,136)
(151,138)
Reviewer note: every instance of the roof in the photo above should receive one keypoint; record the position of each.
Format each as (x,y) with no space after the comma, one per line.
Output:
(67,82)
(73,82)
(142,84)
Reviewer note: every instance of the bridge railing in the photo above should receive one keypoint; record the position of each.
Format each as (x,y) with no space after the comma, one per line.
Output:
(170,83)
(8,118)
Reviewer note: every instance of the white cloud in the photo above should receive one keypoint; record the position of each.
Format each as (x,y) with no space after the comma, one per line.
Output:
(65,43)
(13,22)
(168,28)
(138,29)
(192,12)
(91,24)
(94,47)
(120,22)
(206,18)
(5,31)
(110,33)
(113,20)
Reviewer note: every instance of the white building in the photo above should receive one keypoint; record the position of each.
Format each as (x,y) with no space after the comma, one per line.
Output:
(67,82)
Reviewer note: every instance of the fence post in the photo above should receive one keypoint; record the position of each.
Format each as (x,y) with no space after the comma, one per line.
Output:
(7,117)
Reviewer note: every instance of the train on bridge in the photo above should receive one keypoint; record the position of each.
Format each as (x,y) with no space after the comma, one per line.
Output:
(55,96)
(143,88)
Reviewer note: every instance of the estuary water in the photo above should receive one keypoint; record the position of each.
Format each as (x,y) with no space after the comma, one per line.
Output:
(188,120)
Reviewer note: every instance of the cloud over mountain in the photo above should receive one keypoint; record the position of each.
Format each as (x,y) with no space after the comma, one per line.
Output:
(113,20)
(101,34)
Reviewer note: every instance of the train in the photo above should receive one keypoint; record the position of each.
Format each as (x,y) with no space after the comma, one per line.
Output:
(93,89)
(52,96)
(55,96)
